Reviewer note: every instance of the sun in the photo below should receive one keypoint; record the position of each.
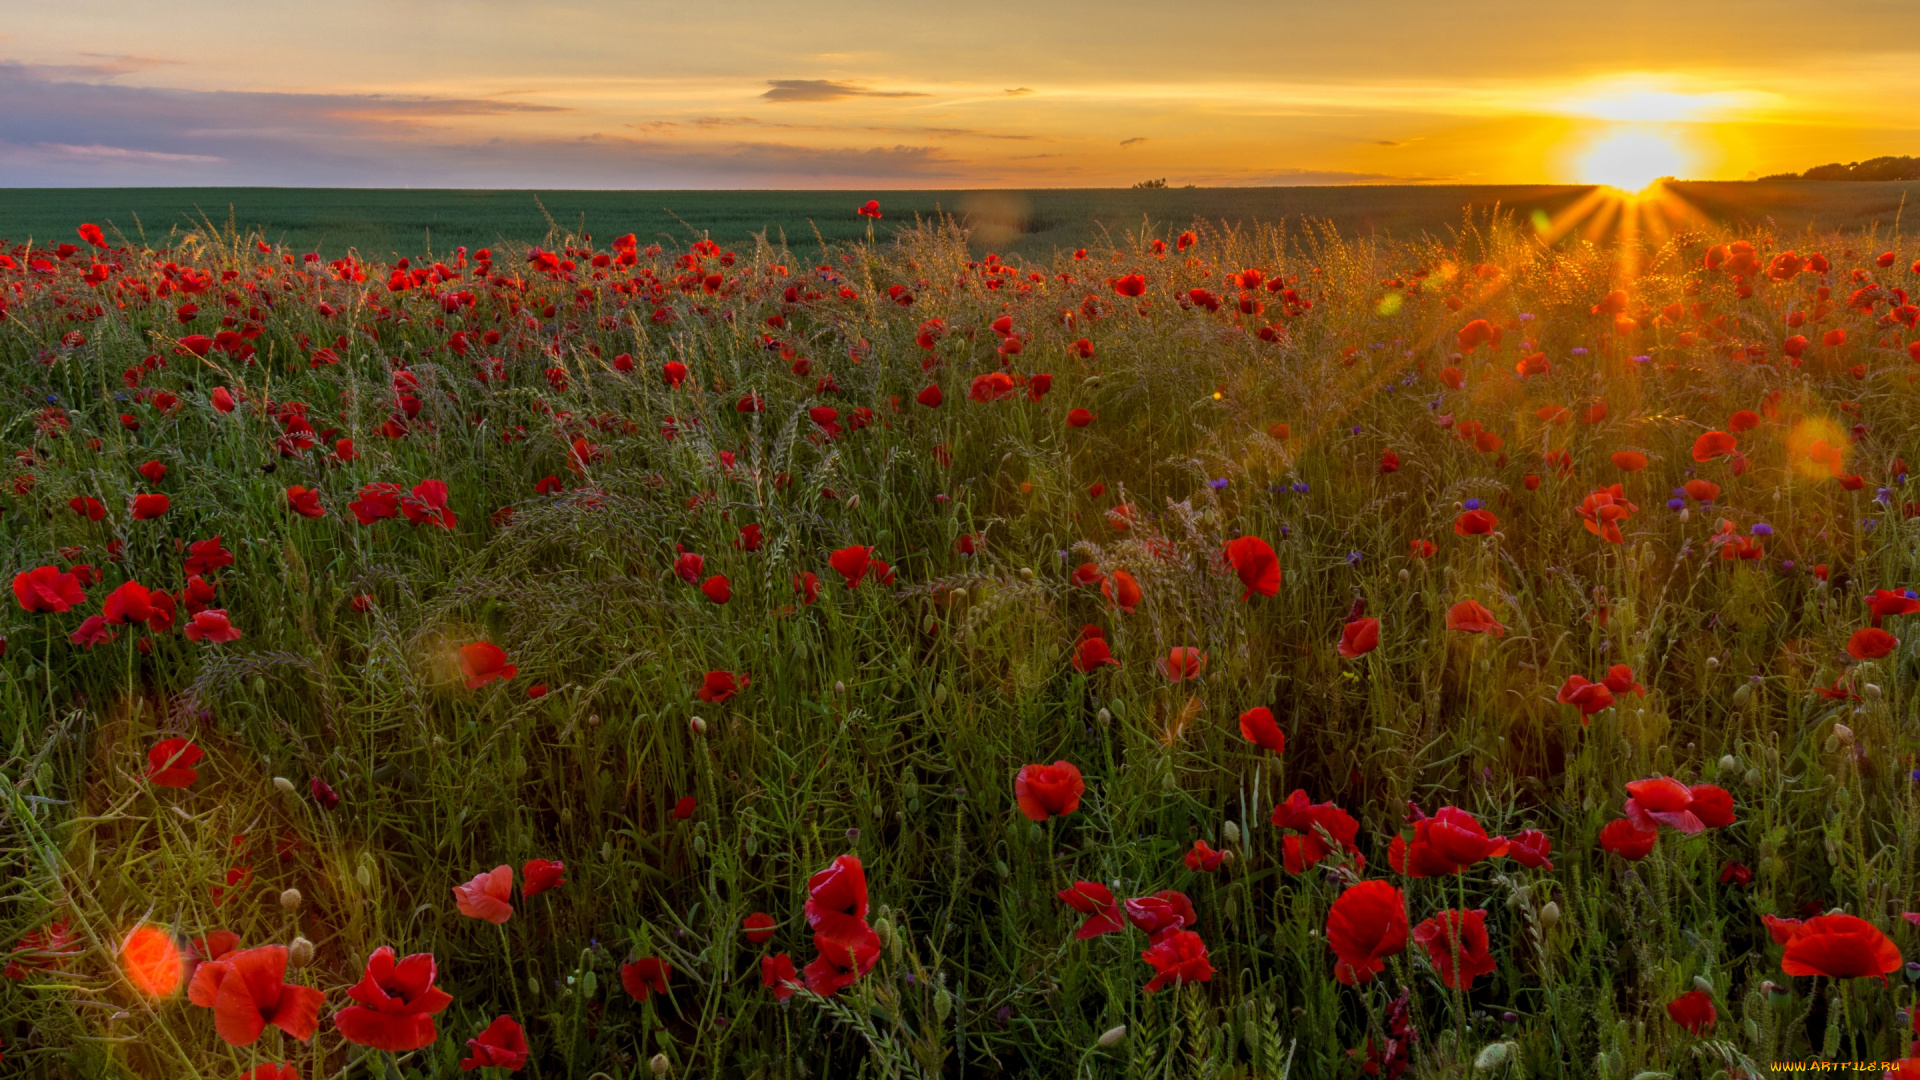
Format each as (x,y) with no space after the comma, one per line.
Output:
(1629,159)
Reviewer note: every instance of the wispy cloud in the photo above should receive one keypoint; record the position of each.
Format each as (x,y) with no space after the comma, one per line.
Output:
(827,90)
(1135,141)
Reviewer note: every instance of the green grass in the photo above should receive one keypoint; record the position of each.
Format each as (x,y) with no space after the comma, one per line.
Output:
(889,721)
(384,224)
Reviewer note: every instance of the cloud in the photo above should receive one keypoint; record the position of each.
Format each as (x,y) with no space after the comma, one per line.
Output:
(1322,178)
(1135,141)
(1020,91)
(826,90)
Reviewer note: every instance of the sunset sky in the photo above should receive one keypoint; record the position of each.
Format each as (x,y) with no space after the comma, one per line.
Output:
(751,94)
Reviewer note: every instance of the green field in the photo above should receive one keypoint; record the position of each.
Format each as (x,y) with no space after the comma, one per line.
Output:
(381,223)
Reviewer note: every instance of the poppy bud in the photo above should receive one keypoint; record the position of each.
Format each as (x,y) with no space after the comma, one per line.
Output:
(1111,1037)
(1833,742)
(1026,573)
(1104,717)
(957,597)
(1230,832)
(1713,663)
(364,876)
(698,725)
(1493,1056)
(943,1004)
(1871,691)
(1549,915)
(1728,763)
(1753,777)
(1702,985)
(659,1065)
(290,900)
(285,785)
(300,953)
(1404,576)
(839,688)
(1742,695)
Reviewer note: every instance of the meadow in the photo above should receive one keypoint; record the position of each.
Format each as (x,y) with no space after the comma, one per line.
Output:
(1216,652)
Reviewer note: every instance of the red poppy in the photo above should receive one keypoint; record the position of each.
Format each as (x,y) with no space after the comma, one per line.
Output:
(931,397)
(1469,617)
(88,507)
(777,975)
(377,502)
(150,506)
(1629,460)
(1840,947)
(1038,384)
(1476,523)
(1079,418)
(248,990)
(171,763)
(1366,924)
(991,386)
(841,963)
(1447,843)
(688,566)
(1130,286)
(807,584)
(1693,1010)
(1046,791)
(152,961)
(1122,590)
(305,502)
(1258,727)
(488,896)
(1665,801)
(1457,944)
(1871,643)
(1619,679)
(646,977)
(502,1045)
(131,603)
(1422,549)
(1744,420)
(1734,873)
(1588,697)
(221,397)
(211,624)
(870,209)
(1259,568)
(1161,913)
(47,590)
(1712,445)
(717,589)
(1096,902)
(684,809)
(1091,654)
(1178,957)
(1627,840)
(1474,334)
(1202,858)
(482,662)
(1530,848)
(837,899)
(1359,637)
(721,685)
(1603,512)
(1885,602)
(758,927)
(1321,827)
(852,563)
(1182,662)
(270,1071)
(426,504)
(93,630)
(539,875)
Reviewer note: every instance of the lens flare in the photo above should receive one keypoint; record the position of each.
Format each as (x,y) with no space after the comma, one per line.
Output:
(1630,159)
(153,961)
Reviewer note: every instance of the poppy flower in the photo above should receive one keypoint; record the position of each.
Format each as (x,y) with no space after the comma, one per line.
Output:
(305,502)
(1359,637)
(222,398)
(1840,947)
(171,763)
(1734,873)
(870,209)
(153,962)
(88,507)
(1179,957)
(247,991)
(1366,924)
(1079,418)
(1131,285)
(1258,727)
(1588,697)
(684,809)
(502,1045)
(758,927)
(851,563)
(1474,334)
(807,584)
(1096,902)
(1476,523)
(377,502)
(646,977)
(1321,827)
(1604,510)
(1627,840)
(323,793)
(1530,848)
(206,555)
(1447,843)
(1259,568)
(841,963)
(1092,654)
(1122,590)
(1422,549)
(1885,602)
(149,506)
(1182,662)
(688,566)
(488,896)
(1457,944)
(837,899)
(1871,643)
(131,603)
(1037,384)
(271,1071)
(1664,801)
(1693,1010)
(211,625)
(721,685)
(1162,913)
(1629,460)
(47,590)
(1712,445)
(1619,679)
(991,386)
(93,630)
(931,397)
(777,975)
(426,504)
(1047,791)
(1202,858)
(482,662)
(717,589)
(749,538)
(1469,617)
(539,875)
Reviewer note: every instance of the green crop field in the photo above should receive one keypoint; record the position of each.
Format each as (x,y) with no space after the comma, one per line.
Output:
(1231,652)
(391,223)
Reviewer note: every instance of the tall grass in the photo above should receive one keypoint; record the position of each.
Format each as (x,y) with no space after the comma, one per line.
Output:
(888,721)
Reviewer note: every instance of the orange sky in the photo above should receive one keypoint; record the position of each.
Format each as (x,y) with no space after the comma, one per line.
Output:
(745,93)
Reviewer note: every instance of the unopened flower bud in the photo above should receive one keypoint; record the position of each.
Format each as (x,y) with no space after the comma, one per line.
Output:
(1729,763)
(1105,717)
(300,953)
(1231,832)
(290,900)
(285,785)
(1112,1036)
(698,725)
(659,1065)
(1871,691)
(840,688)
(1844,734)
(1549,914)
(1702,985)
(1713,662)
(1493,1056)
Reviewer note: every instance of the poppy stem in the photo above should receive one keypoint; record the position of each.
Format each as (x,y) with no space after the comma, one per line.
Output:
(513,977)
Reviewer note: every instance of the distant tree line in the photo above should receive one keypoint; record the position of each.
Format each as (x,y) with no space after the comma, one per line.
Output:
(1880,168)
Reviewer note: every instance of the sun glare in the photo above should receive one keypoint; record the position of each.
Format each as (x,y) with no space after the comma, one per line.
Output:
(1629,159)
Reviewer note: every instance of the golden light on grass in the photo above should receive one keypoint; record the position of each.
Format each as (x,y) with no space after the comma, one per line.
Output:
(153,962)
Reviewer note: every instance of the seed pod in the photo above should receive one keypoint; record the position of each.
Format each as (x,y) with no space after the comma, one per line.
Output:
(364,876)
(1111,1037)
